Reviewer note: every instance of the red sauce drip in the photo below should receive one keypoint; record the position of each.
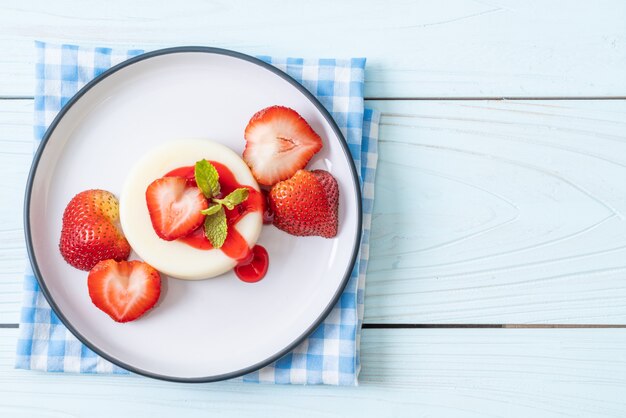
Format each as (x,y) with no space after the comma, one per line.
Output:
(235,245)
(254,267)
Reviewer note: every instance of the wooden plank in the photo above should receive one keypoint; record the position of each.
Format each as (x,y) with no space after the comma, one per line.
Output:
(416,373)
(500,212)
(486,212)
(15,156)
(500,48)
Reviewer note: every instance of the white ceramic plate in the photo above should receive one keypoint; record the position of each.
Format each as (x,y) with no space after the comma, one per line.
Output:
(200,330)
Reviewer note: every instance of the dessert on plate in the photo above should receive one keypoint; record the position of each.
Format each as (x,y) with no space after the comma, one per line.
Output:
(193,209)
(161,209)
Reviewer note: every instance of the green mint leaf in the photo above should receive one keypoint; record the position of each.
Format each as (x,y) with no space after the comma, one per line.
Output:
(211,210)
(207,178)
(234,198)
(215,228)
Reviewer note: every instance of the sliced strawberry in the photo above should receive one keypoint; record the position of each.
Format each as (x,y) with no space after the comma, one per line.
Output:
(91,231)
(124,290)
(174,207)
(279,142)
(306,204)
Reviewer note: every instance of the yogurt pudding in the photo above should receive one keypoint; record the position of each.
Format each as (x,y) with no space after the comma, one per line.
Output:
(187,258)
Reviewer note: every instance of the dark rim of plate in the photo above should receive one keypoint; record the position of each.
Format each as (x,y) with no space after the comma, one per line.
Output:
(77,97)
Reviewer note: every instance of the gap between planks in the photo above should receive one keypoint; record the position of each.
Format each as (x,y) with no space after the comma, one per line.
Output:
(461,98)
(507,326)
(449,326)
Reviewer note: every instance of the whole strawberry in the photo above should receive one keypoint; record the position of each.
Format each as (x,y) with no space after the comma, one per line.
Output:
(306,204)
(91,231)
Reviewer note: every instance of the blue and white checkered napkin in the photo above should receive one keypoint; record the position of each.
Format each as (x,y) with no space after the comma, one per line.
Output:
(331,354)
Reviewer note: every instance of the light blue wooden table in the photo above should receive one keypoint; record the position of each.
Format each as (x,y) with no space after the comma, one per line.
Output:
(497,285)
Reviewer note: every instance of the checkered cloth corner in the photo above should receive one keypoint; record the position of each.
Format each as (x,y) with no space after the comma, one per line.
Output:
(331,354)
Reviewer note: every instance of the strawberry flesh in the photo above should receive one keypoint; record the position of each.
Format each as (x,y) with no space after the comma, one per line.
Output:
(306,204)
(124,290)
(174,207)
(279,142)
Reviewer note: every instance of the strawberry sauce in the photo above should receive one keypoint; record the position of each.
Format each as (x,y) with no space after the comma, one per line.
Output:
(252,263)
(254,267)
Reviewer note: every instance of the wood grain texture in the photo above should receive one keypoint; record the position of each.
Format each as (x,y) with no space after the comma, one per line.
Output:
(500,212)
(406,373)
(486,212)
(16,149)
(495,48)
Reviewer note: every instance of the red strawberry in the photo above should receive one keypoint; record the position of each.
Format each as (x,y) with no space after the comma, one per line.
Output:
(174,207)
(306,204)
(91,231)
(279,142)
(124,290)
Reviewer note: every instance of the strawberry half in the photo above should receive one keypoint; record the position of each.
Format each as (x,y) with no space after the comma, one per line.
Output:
(306,204)
(279,142)
(91,230)
(124,290)
(174,207)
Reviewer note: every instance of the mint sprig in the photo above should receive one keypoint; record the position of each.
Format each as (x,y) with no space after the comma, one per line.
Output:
(216,228)
(234,198)
(211,210)
(215,225)
(207,178)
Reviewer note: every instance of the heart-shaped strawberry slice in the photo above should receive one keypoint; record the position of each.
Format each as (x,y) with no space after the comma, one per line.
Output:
(279,142)
(174,207)
(124,290)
